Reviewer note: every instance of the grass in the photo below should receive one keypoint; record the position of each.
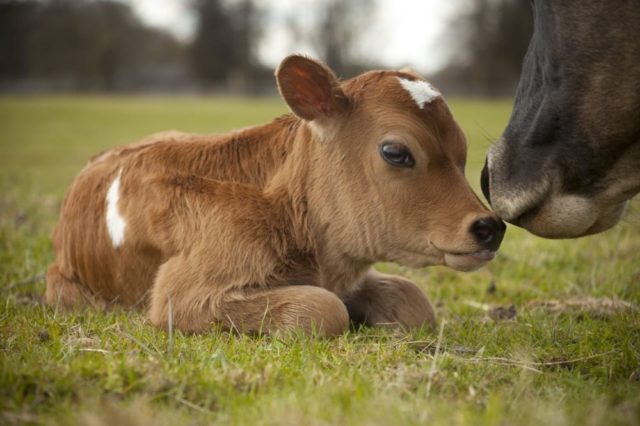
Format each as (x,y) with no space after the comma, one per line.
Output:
(542,335)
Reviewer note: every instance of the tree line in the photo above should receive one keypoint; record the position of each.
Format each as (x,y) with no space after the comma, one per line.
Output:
(489,39)
(75,44)
(103,45)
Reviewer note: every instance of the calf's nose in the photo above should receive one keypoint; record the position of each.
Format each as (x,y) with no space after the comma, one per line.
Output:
(488,232)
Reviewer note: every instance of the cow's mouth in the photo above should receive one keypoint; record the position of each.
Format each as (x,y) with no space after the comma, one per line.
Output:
(567,216)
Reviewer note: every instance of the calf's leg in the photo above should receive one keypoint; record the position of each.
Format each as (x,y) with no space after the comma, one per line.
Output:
(282,309)
(61,291)
(389,301)
(195,303)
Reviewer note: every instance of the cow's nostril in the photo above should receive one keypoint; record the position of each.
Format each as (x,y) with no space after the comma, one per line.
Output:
(484,182)
(488,232)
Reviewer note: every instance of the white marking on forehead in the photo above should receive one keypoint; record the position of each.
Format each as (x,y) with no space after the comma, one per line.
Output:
(421,91)
(115,222)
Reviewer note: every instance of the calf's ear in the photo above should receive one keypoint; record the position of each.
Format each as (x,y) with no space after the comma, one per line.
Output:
(410,71)
(311,89)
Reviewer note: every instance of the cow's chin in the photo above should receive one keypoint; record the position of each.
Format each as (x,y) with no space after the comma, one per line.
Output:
(571,216)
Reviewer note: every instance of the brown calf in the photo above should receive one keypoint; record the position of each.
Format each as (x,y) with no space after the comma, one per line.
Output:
(278,226)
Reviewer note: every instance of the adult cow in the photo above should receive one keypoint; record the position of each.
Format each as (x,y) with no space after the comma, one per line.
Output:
(569,159)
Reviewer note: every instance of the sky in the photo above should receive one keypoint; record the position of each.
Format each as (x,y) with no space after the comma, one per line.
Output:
(400,32)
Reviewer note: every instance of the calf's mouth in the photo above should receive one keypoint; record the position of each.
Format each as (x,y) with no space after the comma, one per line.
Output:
(468,261)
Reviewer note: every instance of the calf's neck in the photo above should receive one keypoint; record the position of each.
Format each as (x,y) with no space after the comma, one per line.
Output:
(277,226)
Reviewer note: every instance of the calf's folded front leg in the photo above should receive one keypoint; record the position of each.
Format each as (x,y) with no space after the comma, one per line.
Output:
(314,310)
(389,301)
(195,305)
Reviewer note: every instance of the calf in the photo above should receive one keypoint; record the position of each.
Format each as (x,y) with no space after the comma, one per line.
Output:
(277,226)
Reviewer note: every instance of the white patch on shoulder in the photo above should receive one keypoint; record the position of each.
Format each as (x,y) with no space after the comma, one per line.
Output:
(421,92)
(115,222)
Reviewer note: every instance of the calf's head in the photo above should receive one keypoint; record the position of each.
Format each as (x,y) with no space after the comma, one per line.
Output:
(386,168)
(569,159)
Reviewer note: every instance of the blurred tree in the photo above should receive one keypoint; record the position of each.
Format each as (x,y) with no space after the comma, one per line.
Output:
(89,41)
(490,38)
(246,19)
(211,50)
(224,46)
(334,32)
(337,35)
(79,44)
(16,20)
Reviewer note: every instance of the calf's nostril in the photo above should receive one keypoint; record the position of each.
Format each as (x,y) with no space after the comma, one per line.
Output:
(488,232)
(483,232)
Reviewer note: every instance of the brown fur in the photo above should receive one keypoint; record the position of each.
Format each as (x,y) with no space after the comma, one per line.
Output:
(274,227)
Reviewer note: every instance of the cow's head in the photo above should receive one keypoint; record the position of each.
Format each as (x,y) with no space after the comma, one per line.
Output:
(386,168)
(569,159)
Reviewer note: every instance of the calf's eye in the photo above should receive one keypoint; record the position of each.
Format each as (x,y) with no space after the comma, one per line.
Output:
(396,154)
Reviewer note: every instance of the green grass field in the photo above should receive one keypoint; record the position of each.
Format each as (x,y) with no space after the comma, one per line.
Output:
(549,333)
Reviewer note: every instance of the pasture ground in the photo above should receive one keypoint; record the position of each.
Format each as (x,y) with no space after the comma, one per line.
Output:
(549,333)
